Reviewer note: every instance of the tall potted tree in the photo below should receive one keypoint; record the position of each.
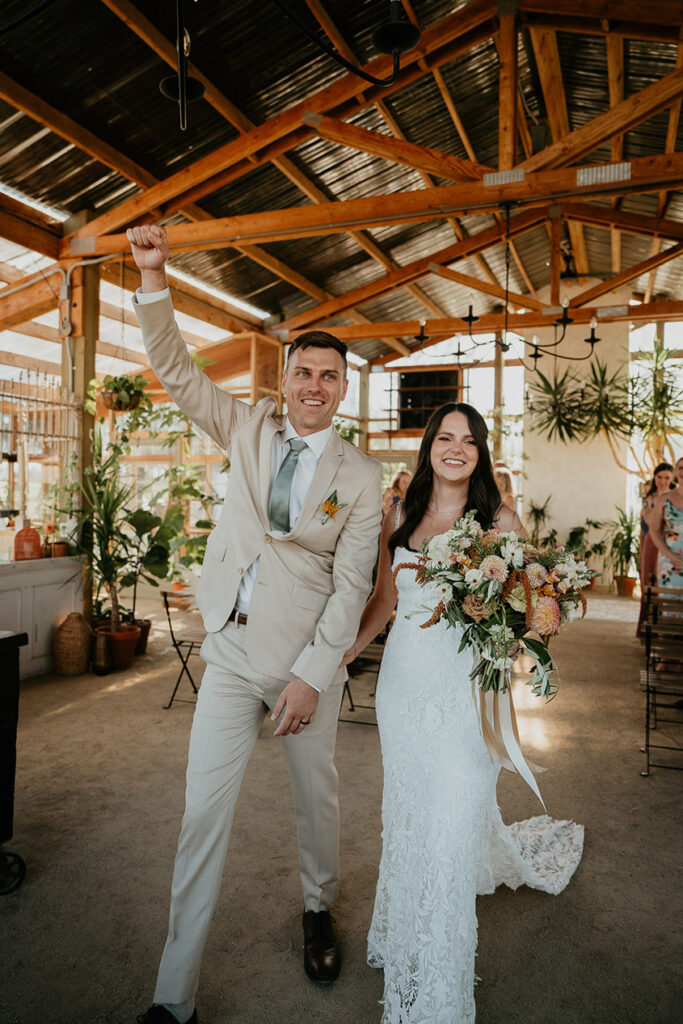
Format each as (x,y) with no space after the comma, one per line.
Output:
(102,539)
(623,536)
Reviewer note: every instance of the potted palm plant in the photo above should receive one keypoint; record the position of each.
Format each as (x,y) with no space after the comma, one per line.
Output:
(102,539)
(623,553)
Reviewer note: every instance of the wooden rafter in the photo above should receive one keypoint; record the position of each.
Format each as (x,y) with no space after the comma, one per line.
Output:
(448,30)
(645,174)
(630,112)
(627,275)
(25,226)
(484,286)
(629,223)
(669,147)
(417,269)
(507,92)
(550,73)
(615,76)
(656,21)
(420,158)
(555,256)
(151,35)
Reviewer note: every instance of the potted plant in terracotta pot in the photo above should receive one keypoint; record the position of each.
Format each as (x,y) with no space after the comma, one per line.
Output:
(623,553)
(149,549)
(102,538)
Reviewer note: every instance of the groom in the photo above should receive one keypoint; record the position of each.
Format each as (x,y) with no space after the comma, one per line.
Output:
(285,577)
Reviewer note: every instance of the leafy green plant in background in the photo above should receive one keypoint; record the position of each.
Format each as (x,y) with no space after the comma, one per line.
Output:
(101,535)
(579,542)
(623,543)
(647,408)
(538,515)
(150,547)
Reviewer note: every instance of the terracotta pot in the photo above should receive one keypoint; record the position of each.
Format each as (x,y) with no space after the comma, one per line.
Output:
(121,644)
(625,585)
(145,626)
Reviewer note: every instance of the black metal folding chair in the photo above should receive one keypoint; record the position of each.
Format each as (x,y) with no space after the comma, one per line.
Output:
(368,661)
(186,644)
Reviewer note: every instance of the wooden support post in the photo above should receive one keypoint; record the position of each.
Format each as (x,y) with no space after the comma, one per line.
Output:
(498,398)
(555,233)
(364,406)
(78,366)
(507,103)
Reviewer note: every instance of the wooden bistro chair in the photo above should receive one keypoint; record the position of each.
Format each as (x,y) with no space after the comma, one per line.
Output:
(186,642)
(663,635)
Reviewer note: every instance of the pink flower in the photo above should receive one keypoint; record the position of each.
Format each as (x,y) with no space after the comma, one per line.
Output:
(494,568)
(545,616)
(536,574)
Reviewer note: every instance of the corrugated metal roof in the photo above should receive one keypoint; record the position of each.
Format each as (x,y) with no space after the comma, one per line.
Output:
(106,78)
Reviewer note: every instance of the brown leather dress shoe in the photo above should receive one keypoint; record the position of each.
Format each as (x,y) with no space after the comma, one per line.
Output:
(322,959)
(158,1015)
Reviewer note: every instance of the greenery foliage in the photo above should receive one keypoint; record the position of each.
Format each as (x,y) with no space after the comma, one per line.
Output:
(623,538)
(648,407)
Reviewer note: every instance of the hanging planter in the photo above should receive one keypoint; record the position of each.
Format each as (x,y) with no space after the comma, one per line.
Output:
(120,401)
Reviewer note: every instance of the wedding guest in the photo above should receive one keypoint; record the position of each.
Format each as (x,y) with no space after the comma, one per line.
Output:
(506,489)
(400,484)
(665,523)
(660,484)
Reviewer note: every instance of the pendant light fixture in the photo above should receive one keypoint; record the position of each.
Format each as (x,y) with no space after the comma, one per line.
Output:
(396,36)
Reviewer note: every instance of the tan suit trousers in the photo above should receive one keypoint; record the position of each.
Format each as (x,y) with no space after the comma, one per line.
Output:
(227,721)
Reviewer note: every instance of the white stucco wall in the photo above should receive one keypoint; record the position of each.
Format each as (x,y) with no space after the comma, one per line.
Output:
(582,480)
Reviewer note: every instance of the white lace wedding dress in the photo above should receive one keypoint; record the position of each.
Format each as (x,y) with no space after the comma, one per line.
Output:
(444,839)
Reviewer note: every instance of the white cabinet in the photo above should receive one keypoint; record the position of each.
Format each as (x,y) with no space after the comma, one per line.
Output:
(36,595)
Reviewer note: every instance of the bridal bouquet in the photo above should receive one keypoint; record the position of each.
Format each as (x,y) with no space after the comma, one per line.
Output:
(498,587)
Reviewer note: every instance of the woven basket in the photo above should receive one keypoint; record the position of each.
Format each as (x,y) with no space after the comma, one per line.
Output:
(72,645)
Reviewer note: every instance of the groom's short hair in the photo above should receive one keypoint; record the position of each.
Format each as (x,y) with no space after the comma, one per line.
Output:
(318,339)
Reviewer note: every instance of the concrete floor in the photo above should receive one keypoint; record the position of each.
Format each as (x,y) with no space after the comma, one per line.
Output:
(99,797)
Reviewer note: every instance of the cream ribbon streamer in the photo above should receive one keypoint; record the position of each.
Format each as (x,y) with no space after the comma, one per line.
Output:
(501,735)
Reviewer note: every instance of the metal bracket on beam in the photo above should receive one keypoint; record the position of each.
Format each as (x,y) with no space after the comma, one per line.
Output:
(601,174)
(503,177)
(82,245)
(609,311)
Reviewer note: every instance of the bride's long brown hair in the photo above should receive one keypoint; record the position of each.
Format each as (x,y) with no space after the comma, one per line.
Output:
(482,494)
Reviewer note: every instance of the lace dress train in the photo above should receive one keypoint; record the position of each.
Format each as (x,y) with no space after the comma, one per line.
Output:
(443,837)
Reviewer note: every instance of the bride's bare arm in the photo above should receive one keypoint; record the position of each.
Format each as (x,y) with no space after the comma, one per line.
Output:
(384,597)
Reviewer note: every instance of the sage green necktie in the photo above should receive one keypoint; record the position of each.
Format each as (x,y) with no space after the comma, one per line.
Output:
(278,509)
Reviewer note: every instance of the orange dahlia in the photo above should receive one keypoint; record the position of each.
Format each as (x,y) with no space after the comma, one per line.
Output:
(545,617)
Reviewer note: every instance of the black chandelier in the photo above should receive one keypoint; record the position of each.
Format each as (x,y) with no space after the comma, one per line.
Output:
(563,321)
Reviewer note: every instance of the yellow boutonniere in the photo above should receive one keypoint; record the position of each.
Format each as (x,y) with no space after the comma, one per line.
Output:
(330,507)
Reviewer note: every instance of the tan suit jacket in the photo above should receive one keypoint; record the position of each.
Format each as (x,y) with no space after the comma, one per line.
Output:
(312,583)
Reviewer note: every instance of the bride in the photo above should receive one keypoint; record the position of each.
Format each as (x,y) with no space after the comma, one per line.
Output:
(443,838)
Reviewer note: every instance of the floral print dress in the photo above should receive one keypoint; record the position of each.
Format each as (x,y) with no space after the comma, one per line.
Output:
(672,532)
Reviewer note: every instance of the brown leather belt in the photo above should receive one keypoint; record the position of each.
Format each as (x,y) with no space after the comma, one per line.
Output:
(239,617)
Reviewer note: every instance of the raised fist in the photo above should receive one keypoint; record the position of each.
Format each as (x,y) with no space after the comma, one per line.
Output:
(148,245)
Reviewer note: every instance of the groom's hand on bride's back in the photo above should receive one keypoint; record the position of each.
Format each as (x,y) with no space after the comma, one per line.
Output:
(298,705)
